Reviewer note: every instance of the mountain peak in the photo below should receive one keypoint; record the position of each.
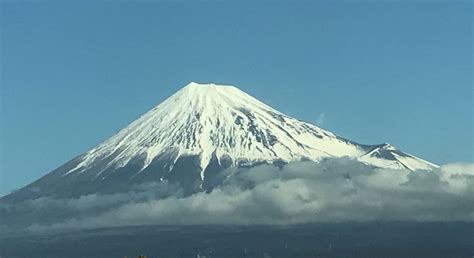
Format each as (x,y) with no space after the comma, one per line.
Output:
(207,87)
(199,84)
(211,101)
(219,122)
(203,129)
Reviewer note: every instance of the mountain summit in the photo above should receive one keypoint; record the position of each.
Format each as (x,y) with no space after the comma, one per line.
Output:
(198,132)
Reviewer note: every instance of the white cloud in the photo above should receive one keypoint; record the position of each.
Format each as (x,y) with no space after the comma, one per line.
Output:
(321,118)
(300,192)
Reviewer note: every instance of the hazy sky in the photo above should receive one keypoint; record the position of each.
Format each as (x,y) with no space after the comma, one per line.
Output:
(72,74)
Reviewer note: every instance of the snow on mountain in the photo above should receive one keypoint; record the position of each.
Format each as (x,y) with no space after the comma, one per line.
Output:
(202,119)
(387,156)
(220,126)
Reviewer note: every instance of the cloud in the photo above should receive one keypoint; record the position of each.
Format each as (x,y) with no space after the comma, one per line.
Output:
(320,119)
(300,192)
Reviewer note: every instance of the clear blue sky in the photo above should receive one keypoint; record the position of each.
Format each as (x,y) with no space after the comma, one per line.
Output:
(73,74)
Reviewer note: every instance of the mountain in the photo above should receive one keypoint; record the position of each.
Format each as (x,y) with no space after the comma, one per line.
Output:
(194,135)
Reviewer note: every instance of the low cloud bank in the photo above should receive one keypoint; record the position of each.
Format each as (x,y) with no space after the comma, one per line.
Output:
(301,192)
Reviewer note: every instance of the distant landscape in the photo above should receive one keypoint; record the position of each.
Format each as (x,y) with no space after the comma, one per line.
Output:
(395,239)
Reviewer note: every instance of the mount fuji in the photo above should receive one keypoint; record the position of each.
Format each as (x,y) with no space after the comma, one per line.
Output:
(194,135)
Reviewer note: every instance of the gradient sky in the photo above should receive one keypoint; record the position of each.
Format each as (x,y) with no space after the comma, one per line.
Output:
(72,74)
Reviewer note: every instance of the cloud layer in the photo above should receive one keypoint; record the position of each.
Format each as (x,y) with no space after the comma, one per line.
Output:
(301,192)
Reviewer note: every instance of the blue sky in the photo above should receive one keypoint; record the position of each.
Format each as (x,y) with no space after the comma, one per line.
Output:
(72,74)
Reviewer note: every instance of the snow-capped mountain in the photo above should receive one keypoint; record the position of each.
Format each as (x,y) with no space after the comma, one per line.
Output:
(199,131)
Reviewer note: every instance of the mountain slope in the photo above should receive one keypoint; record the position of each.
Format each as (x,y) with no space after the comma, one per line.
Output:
(199,131)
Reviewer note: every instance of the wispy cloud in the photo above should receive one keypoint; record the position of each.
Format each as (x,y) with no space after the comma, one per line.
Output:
(321,118)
